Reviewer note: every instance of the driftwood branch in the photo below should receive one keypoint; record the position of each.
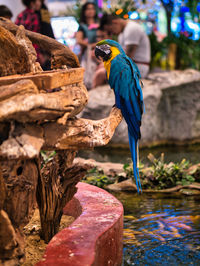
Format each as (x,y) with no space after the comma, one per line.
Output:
(176,188)
(60,54)
(82,133)
(27,140)
(29,105)
(56,187)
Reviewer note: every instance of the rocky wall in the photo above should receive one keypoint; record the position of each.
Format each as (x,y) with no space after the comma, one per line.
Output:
(172,109)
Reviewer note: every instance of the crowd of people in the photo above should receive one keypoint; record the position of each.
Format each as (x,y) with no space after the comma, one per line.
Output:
(130,34)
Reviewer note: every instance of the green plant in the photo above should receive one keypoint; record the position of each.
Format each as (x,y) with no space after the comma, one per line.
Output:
(47,156)
(73,10)
(169,175)
(98,178)
(188,50)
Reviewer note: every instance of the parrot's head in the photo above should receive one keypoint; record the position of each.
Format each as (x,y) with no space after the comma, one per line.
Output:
(106,49)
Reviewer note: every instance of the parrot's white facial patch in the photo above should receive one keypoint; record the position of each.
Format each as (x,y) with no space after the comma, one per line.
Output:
(103,51)
(105,48)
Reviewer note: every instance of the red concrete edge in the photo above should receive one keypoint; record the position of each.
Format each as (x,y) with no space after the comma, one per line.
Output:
(95,237)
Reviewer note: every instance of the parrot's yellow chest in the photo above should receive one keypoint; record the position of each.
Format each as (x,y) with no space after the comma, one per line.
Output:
(107,64)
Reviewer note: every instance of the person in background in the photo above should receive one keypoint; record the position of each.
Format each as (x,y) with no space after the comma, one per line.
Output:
(29,18)
(86,40)
(5,12)
(86,34)
(45,29)
(132,38)
(45,21)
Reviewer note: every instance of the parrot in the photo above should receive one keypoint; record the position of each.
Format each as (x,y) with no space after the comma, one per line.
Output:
(124,78)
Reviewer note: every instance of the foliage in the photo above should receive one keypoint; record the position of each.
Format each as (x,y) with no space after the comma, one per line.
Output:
(168,175)
(46,157)
(187,53)
(128,169)
(98,178)
(74,10)
(158,175)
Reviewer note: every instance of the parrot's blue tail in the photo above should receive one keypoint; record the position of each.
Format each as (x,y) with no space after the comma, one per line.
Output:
(134,153)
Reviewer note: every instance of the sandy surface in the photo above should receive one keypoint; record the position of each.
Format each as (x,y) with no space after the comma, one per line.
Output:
(34,245)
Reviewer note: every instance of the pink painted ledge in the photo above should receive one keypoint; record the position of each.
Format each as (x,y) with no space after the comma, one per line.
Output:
(95,237)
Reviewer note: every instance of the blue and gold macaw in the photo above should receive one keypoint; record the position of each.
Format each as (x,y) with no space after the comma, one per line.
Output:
(124,78)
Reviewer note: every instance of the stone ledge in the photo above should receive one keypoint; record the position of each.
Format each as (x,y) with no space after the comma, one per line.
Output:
(95,237)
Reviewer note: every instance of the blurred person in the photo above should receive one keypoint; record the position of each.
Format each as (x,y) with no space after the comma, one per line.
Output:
(132,38)
(86,33)
(86,39)
(45,29)
(29,18)
(5,12)
(45,21)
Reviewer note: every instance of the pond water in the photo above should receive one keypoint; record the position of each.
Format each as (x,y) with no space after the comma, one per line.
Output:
(161,229)
(122,155)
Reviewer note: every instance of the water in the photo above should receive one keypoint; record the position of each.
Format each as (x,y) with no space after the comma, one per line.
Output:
(122,155)
(160,229)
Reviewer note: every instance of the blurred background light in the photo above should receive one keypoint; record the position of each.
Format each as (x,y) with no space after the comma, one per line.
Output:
(134,15)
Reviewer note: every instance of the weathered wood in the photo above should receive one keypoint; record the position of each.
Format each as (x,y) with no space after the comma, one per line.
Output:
(176,188)
(27,140)
(2,190)
(29,50)
(81,133)
(11,248)
(13,56)
(20,178)
(60,54)
(56,187)
(19,88)
(48,80)
(39,106)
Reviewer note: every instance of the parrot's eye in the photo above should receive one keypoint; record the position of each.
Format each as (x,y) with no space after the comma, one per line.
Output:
(103,51)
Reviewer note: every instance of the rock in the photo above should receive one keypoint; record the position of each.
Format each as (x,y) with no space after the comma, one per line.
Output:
(126,185)
(172,108)
(190,192)
(110,169)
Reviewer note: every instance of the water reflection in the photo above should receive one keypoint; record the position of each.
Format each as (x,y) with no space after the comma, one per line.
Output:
(161,229)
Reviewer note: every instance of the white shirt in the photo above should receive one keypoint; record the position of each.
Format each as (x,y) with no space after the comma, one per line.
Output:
(133,34)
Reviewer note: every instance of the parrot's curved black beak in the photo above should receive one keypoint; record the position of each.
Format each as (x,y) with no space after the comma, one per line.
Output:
(103,51)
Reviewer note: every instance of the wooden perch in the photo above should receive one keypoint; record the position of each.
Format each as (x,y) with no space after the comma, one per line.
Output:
(60,54)
(81,133)
(27,140)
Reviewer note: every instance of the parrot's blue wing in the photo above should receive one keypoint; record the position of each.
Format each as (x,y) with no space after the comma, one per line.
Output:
(124,79)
